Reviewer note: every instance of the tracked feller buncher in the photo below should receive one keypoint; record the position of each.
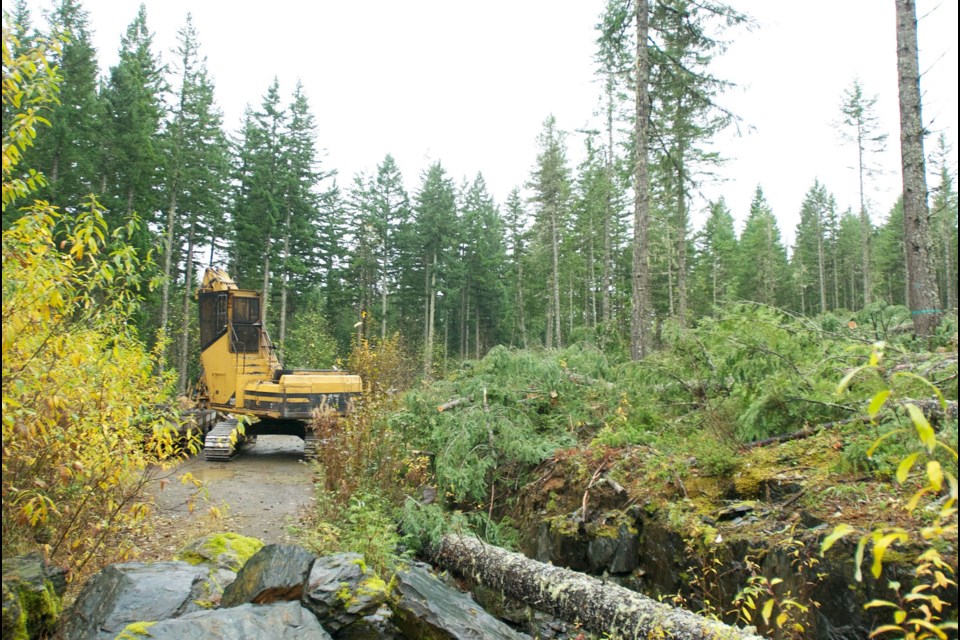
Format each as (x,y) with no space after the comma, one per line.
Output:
(241,374)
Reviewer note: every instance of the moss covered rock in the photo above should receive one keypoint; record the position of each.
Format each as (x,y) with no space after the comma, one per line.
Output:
(32,593)
(223,550)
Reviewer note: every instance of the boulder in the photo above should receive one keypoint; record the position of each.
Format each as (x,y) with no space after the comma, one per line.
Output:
(275,573)
(340,590)
(427,608)
(130,592)
(615,552)
(228,551)
(277,621)
(32,594)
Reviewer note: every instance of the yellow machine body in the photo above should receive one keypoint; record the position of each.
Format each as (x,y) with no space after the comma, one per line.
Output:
(241,373)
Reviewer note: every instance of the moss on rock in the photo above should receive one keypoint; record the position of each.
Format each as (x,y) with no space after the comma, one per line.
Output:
(135,631)
(226,550)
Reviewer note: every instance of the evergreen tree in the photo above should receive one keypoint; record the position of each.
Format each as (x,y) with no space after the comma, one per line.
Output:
(943,222)
(301,174)
(811,251)
(133,98)
(196,172)
(861,127)
(69,153)
(392,218)
(260,182)
(515,219)
(762,264)
(890,265)
(715,260)
(435,226)
(481,270)
(550,186)
(847,256)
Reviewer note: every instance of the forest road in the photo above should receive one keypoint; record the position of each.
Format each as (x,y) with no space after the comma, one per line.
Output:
(261,493)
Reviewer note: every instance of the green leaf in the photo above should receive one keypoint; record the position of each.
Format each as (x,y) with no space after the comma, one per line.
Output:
(877,403)
(903,469)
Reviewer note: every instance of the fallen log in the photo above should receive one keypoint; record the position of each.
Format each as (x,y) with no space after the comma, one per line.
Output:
(452,404)
(599,607)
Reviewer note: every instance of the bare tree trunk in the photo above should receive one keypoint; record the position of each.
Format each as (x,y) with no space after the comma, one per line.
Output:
(428,320)
(521,317)
(284,279)
(185,333)
(681,239)
(555,277)
(864,224)
(640,302)
(821,267)
(922,289)
(167,262)
(603,608)
(605,311)
(266,282)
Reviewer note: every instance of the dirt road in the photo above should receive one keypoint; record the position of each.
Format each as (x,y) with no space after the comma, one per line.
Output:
(260,493)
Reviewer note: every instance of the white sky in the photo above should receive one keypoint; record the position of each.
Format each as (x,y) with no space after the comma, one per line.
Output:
(470,83)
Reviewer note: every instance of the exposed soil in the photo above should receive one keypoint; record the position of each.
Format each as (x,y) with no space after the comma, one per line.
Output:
(261,492)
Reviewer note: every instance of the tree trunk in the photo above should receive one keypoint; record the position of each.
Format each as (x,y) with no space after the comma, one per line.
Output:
(600,607)
(640,302)
(555,276)
(605,310)
(922,288)
(185,333)
(821,267)
(266,282)
(167,262)
(284,279)
(864,225)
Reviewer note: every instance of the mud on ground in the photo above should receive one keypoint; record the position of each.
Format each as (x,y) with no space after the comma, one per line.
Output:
(262,492)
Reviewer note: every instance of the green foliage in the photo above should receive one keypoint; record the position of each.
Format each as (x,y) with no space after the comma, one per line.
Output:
(748,373)
(364,524)
(513,409)
(309,344)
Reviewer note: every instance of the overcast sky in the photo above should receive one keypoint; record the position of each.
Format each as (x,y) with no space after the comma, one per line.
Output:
(470,83)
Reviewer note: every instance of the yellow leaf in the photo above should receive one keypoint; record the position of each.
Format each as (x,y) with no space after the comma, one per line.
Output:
(839,532)
(880,546)
(899,616)
(781,619)
(903,469)
(935,474)
(927,435)
(767,610)
(877,403)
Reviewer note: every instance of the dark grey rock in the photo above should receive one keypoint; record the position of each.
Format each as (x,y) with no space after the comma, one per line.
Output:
(276,621)
(340,590)
(427,608)
(275,573)
(32,594)
(121,594)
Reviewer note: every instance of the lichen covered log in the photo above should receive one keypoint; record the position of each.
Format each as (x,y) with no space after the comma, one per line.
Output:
(576,597)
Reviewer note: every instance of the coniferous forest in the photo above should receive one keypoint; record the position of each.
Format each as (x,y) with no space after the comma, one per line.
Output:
(579,331)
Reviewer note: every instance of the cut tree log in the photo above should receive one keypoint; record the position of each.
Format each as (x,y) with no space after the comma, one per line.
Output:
(598,606)
(452,404)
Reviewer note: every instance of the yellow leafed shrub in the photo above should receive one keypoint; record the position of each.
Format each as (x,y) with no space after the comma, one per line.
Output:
(81,423)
